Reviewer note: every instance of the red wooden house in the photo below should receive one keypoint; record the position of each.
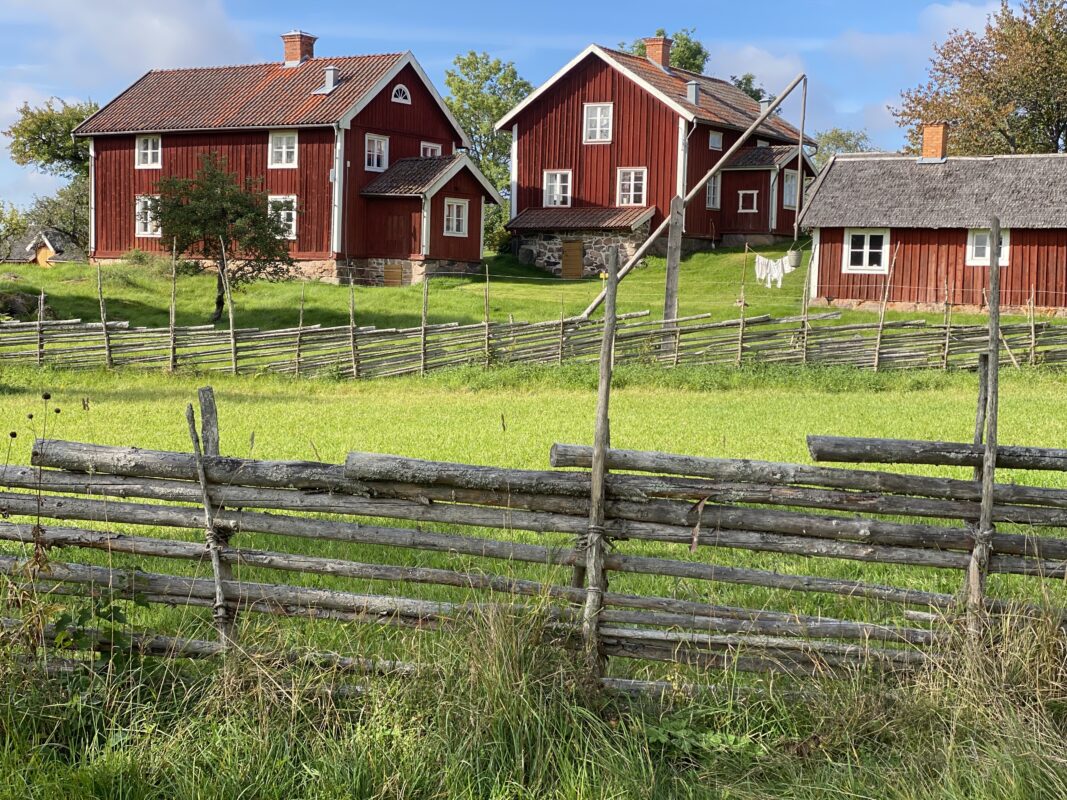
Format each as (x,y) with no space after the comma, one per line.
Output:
(359,155)
(599,150)
(922,224)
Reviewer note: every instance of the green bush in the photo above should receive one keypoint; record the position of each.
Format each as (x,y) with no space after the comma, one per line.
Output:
(157,264)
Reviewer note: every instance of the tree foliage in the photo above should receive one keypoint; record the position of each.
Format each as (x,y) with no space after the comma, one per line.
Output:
(748,83)
(12,226)
(41,137)
(213,215)
(840,140)
(67,210)
(1003,90)
(481,91)
(687,52)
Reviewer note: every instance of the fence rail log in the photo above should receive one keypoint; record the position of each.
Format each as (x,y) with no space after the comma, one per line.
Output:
(911,451)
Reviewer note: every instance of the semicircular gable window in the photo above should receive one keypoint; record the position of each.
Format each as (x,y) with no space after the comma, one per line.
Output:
(401,94)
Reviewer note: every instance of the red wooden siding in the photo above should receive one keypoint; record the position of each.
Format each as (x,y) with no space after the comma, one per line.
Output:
(458,248)
(928,259)
(407,126)
(397,223)
(644,134)
(118,183)
(699,219)
(787,216)
(732,220)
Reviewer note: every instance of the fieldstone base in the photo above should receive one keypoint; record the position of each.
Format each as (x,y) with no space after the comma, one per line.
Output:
(932,308)
(402,271)
(545,250)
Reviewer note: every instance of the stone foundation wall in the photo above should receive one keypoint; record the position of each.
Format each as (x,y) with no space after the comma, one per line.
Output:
(371,271)
(545,250)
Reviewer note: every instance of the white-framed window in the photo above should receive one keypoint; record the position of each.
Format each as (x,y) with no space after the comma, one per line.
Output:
(401,94)
(790,183)
(377,153)
(715,140)
(456,216)
(149,153)
(283,206)
(283,150)
(748,201)
(557,191)
(429,150)
(145,223)
(866,251)
(713,198)
(979,246)
(596,127)
(632,186)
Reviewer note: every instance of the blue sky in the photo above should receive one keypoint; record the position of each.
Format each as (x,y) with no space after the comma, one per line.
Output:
(858,55)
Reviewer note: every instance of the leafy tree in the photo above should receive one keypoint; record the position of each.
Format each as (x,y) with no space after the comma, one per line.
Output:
(214,216)
(1003,90)
(747,84)
(840,140)
(12,226)
(41,137)
(67,210)
(687,52)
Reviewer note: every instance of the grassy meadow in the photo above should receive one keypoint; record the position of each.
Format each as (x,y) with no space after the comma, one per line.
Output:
(503,716)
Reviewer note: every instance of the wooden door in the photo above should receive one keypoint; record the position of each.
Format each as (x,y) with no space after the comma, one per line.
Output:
(394,274)
(573,257)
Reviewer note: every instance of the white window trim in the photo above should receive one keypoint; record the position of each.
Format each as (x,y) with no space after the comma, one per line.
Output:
(465,205)
(716,182)
(785,189)
(544,187)
(1005,248)
(296,150)
(754,193)
(385,152)
(618,187)
(711,137)
(405,95)
(137,218)
(611,123)
(285,198)
(159,152)
(424,145)
(846,249)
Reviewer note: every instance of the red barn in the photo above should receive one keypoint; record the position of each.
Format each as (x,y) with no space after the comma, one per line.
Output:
(922,224)
(333,141)
(600,149)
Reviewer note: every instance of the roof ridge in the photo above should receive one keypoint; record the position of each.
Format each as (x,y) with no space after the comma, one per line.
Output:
(271,63)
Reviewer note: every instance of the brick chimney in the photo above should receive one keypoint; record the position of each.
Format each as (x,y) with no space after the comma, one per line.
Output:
(935,141)
(299,47)
(658,50)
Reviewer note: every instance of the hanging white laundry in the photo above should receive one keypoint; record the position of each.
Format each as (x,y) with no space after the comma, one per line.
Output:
(771,271)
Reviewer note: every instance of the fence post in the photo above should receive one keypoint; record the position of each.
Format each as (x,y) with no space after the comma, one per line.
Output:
(352,346)
(172,335)
(229,306)
(595,544)
(488,348)
(741,328)
(804,325)
(948,329)
(300,328)
(1033,328)
(674,258)
(224,619)
(40,328)
(562,334)
(425,316)
(103,316)
(978,567)
(881,312)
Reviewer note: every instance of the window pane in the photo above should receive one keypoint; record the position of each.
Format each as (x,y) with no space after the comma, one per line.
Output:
(855,258)
(858,240)
(874,258)
(876,241)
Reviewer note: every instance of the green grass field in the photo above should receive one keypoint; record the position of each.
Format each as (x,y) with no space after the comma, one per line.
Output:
(505,718)
(710,283)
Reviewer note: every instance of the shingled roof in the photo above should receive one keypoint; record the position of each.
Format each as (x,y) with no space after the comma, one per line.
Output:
(24,248)
(416,177)
(581,219)
(250,96)
(763,157)
(720,103)
(896,191)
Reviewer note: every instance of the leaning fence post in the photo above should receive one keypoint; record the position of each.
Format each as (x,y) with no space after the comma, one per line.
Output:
(352,346)
(172,336)
(978,567)
(224,619)
(595,543)
(229,305)
(300,328)
(103,316)
(488,349)
(40,329)
(422,329)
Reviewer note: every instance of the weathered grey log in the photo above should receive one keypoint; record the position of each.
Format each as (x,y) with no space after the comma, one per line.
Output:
(910,451)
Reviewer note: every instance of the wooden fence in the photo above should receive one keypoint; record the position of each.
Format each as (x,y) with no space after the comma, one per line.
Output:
(593,548)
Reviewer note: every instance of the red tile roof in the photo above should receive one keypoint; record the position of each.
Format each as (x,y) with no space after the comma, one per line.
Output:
(251,96)
(580,219)
(720,102)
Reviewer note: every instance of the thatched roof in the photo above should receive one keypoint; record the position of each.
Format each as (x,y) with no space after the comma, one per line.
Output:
(895,191)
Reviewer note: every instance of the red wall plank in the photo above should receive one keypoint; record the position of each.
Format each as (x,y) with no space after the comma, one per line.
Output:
(459,248)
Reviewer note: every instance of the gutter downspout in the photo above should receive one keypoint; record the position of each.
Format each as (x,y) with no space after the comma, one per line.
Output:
(92,198)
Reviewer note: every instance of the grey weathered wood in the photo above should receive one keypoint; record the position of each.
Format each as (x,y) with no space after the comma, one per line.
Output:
(108,362)
(172,316)
(224,273)
(422,327)
(674,260)
(40,328)
(882,309)
(909,451)
(300,329)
